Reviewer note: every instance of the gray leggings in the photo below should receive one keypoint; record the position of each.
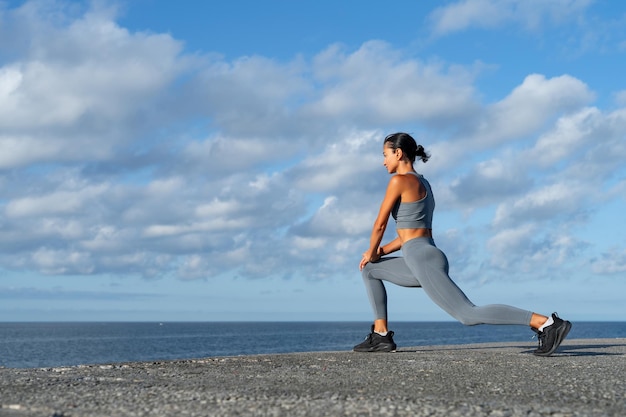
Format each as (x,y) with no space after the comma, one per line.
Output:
(425,266)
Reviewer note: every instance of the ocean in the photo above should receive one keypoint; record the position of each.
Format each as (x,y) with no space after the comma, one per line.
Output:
(48,345)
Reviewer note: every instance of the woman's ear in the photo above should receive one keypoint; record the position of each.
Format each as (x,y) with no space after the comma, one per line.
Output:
(399,154)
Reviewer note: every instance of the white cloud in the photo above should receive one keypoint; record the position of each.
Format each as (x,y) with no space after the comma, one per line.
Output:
(121,154)
(610,263)
(10,80)
(568,137)
(60,202)
(491,181)
(529,249)
(81,89)
(228,154)
(590,146)
(490,14)
(377,85)
(530,106)
(345,160)
(461,15)
(59,262)
(340,218)
(511,241)
(307,243)
(252,95)
(542,204)
(21,150)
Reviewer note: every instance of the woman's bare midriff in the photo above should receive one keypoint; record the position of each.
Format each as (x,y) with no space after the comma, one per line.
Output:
(408,234)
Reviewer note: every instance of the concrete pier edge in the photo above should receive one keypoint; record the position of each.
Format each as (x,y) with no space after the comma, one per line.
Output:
(584,378)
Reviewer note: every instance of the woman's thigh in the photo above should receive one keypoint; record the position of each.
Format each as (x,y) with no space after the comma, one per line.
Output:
(391,269)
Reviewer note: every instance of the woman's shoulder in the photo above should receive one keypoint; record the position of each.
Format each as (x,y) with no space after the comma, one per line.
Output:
(409,177)
(404,181)
(408,183)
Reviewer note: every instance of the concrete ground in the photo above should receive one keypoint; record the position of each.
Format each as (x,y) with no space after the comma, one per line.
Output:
(585,377)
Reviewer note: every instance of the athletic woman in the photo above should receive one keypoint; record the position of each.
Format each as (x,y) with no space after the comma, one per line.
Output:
(409,199)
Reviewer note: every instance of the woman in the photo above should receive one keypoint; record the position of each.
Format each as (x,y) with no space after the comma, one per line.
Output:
(409,199)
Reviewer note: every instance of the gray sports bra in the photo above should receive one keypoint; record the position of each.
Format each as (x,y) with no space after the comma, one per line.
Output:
(416,214)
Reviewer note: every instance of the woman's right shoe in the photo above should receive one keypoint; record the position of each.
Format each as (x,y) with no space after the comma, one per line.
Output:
(374,342)
(552,336)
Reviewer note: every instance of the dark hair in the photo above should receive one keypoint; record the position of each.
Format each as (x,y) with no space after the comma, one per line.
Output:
(408,145)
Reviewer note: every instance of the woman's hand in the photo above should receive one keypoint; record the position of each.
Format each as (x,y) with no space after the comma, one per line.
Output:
(367,257)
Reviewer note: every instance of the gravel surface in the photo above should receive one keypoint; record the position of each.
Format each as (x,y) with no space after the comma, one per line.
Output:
(585,378)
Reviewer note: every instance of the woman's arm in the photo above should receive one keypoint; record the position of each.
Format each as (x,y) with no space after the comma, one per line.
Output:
(391,196)
(390,247)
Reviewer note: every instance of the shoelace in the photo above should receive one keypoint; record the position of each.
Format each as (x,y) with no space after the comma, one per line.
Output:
(541,338)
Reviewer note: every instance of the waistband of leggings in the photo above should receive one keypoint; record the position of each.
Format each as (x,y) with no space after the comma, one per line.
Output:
(419,241)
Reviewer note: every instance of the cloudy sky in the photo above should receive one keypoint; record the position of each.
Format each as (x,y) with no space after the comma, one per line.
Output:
(195,160)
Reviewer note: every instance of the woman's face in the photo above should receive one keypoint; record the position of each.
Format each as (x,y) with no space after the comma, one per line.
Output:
(390,159)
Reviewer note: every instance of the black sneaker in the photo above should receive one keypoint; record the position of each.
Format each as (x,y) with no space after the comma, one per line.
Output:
(552,336)
(377,343)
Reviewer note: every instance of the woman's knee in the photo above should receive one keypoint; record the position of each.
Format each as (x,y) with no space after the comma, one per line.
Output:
(464,316)
(468,321)
(366,273)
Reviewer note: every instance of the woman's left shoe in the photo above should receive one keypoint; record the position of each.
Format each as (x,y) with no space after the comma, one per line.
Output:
(374,342)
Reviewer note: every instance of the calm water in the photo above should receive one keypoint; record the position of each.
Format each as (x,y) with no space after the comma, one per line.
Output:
(38,345)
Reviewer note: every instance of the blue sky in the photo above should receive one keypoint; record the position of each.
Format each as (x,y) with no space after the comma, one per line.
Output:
(171,161)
